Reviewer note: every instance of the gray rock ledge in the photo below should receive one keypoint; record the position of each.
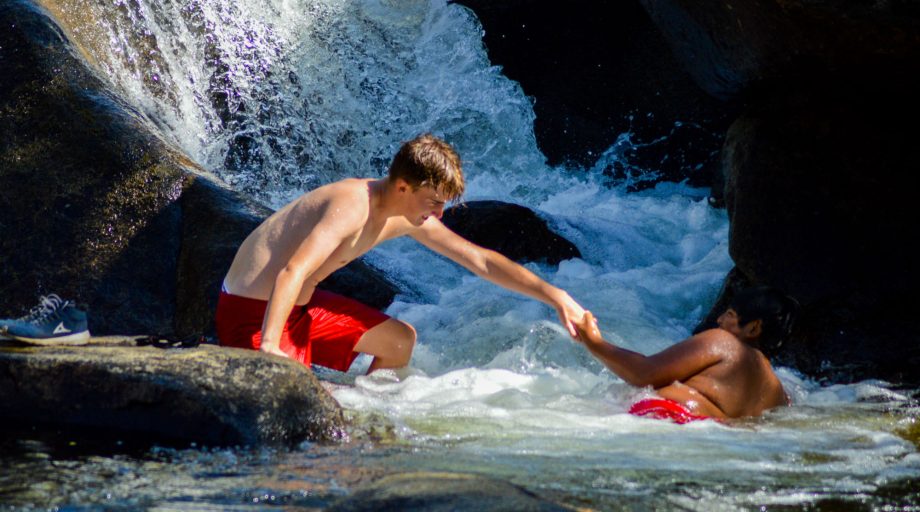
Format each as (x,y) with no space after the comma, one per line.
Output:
(208,394)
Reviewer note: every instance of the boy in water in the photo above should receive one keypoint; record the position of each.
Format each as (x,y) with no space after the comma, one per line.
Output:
(719,373)
(270,300)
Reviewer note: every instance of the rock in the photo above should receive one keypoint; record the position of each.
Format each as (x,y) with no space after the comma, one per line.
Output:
(819,191)
(442,492)
(512,230)
(98,207)
(731,48)
(819,170)
(208,394)
(597,70)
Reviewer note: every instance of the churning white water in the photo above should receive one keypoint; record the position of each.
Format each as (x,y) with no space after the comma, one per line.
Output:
(278,96)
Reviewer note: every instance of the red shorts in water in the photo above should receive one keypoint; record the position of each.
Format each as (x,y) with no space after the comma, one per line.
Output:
(665,409)
(324,331)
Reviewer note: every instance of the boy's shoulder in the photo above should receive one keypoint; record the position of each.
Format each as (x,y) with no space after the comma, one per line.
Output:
(348,189)
(719,339)
(342,186)
(716,334)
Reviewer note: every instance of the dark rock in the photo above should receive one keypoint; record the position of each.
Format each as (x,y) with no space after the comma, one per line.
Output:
(597,70)
(97,207)
(206,394)
(819,170)
(819,191)
(437,492)
(732,48)
(512,230)
(88,193)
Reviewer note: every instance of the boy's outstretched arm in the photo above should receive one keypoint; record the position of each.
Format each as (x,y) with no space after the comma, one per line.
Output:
(676,363)
(494,267)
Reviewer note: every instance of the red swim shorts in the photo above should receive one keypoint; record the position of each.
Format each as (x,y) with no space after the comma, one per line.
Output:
(324,331)
(665,409)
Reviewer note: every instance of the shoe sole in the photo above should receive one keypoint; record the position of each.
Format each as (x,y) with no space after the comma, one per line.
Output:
(80,338)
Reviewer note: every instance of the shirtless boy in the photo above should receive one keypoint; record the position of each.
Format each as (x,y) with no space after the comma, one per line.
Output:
(270,300)
(719,373)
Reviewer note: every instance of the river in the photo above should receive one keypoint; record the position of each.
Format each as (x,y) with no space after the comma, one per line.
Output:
(279,96)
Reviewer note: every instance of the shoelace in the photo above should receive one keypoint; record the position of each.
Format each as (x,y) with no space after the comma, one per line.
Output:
(48,305)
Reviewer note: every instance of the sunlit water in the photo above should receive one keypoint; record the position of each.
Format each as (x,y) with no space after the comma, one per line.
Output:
(279,96)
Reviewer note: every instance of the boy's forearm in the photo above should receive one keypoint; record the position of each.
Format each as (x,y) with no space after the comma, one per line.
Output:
(508,274)
(627,364)
(280,302)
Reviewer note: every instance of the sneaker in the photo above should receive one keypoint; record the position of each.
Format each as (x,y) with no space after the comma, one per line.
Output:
(53,321)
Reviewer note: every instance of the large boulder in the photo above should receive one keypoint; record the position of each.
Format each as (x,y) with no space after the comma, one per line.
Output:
(819,169)
(98,207)
(436,492)
(819,191)
(597,70)
(209,395)
(513,230)
(732,48)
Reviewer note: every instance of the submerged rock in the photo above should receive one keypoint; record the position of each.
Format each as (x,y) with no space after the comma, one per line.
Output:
(512,230)
(207,394)
(443,492)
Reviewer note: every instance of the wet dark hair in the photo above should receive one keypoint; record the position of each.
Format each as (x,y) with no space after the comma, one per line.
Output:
(429,161)
(775,309)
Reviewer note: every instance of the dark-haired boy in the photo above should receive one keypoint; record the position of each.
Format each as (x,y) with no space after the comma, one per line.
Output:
(270,300)
(719,373)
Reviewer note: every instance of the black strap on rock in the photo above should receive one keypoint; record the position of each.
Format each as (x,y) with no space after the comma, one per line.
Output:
(170,342)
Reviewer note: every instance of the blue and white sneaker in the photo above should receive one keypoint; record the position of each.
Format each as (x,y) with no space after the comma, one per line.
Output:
(53,321)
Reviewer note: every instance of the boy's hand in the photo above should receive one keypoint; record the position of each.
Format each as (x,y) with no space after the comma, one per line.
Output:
(587,330)
(570,312)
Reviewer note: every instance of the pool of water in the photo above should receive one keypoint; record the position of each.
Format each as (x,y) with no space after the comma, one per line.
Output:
(839,447)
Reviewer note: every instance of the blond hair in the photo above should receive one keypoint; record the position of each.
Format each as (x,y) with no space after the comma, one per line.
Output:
(427,161)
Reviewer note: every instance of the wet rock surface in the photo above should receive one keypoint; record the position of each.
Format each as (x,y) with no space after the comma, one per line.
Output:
(731,50)
(207,394)
(818,169)
(442,492)
(98,208)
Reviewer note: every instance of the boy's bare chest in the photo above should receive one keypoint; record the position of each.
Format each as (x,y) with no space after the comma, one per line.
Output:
(360,243)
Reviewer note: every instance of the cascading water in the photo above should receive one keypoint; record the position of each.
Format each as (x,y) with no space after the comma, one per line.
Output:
(278,96)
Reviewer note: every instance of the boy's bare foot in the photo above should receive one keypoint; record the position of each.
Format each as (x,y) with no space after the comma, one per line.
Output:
(274,350)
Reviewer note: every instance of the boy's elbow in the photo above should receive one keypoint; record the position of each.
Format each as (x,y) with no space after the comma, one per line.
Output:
(477,262)
(289,273)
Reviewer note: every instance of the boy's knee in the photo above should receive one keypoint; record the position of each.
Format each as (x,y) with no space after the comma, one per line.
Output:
(407,334)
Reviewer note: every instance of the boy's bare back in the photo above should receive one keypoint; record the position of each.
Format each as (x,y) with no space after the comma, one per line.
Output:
(713,373)
(741,383)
